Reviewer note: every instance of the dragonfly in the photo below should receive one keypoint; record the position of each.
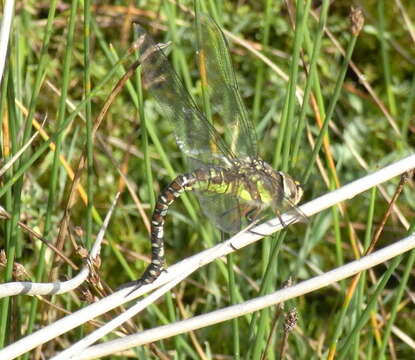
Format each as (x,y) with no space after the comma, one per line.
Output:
(232,183)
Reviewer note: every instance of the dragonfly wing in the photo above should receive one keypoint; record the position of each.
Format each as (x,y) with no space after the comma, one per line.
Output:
(216,70)
(223,210)
(194,134)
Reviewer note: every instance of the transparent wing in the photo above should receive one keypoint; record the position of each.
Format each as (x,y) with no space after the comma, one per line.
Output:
(195,136)
(228,111)
(223,210)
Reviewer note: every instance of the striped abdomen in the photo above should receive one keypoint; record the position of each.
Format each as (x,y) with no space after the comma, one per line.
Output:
(202,179)
(164,200)
(252,181)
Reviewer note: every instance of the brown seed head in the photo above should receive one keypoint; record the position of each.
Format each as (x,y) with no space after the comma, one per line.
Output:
(357,20)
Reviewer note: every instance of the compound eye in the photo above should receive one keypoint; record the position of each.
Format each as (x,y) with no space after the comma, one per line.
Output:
(300,192)
(292,189)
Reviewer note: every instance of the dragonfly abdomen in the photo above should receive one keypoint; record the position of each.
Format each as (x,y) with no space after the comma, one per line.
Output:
(212,179)
(180,184)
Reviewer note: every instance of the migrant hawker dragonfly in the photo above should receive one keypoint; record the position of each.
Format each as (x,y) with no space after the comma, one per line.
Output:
(231,182)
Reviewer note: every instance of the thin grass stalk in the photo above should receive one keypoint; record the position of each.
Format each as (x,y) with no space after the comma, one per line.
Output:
(358,306)
(89,123)
(171,310)
(233,300)
(258,325)
(202,66)
(337,230)
(178,57)
(300,24)
(318,95)
(385,58)
(89,133)
(332,106)
(282,127)
(312,74)
(19,60)
(144,138)
(13,123)
(408,113)
(16,57)
(370,219)
(362,286)
(4,304)
(260,66)
(13,201)
(337,238)
(13,238)
(215,8)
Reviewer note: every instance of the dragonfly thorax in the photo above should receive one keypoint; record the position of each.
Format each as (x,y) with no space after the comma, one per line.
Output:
(252,181)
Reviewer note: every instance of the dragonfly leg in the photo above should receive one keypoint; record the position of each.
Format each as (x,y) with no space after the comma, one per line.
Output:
(284,225)
(252,213)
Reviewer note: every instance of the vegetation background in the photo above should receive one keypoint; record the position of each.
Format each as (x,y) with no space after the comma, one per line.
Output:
(134,152)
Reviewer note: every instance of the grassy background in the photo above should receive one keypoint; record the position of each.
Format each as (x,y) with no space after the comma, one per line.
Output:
(372,124)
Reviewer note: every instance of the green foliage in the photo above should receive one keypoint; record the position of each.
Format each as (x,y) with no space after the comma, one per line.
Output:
(372,120)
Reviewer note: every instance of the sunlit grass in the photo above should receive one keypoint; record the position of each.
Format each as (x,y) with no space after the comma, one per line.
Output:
(371,125)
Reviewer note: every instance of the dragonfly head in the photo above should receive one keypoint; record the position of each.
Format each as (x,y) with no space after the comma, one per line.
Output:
(293,191)
(278,185)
